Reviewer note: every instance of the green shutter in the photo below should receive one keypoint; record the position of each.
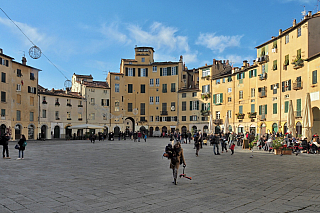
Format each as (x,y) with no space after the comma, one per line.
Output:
(266,68)
(240,109)
(208,106)
(214,99)
(238,76)
(190,117)
(275,108)
(168,70)
(160,71)
(202,106)
(243,74)
(202,89)
(255,72)
(314,77)
(221,98)
(252,108)
(265,109)
(289,85)
(286,106)
(299,105)
(260,110)
(250,75)
(177,70)
(190,105)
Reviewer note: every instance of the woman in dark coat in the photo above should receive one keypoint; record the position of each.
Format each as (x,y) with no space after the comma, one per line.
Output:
(22,146)
(176,160)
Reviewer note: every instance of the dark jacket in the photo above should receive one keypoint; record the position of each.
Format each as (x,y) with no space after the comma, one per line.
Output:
(177,159)
(20,142)
(5,140)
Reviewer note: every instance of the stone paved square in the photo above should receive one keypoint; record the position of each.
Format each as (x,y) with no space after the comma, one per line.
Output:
(127,176)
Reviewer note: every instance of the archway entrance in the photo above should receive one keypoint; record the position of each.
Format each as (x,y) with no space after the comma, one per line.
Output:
(263,128)
(298,129)
(274,128)
(31,132)
(68,131)
(2,129)
(316,120)
(44,132)
(164,130)
(240,129)
(194,129)
(129,124)
(205,129)
(116,131)
(285,128)
(17,131)
(56,133)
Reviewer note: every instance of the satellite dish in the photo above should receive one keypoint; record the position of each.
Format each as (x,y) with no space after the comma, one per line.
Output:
(67,84)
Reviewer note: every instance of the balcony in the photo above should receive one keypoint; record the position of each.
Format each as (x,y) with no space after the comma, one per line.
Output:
(263,76)
(44,102)
(263,59)
(57,104)
(240,116)
(297,114)
(57,118)
(163,112)
(205,96)
(252,114)
(297,85)
(262,117)
(217,121)
(262,94)
(69,105)
(80,105)
(298,63)
(205,112)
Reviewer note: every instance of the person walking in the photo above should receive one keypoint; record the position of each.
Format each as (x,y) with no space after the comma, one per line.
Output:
(232,148)
(176,160)
(139,136)
(215,141)
(189,136)
(145,137)
(135,136)
(223,143)
(5,143)
(22,146)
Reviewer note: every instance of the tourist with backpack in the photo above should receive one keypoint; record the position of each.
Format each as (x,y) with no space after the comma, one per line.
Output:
(176,159)
(22,146)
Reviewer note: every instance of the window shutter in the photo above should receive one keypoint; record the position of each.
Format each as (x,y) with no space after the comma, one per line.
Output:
(0,61)
(29,89)
(126,71)
(314,77)
(101,102)
(240,109)
(134,71)
(260,110)
(202,106)
(168,70)
(160,71)
(299,105)
(266,68)
(190,105)
(275,108)
(265,109)
(34,90)
(238,76)
(139,71)
(286,106)
(190,117)
(7,63)
(197,105)
(202,89)
(146,72)
(160,118)
(221,98)
(271,87)
(243,74)
(250,74)
(252,108)
(283,86)
(214,99)
(176,70)
(289,85)
(259,89)
(107,102)
(255,72)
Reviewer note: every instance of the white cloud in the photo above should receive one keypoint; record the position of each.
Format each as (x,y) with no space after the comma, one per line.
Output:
(237,60)
(213,42)
(112,32)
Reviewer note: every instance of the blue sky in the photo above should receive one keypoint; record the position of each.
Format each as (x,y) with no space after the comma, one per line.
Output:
(91,37)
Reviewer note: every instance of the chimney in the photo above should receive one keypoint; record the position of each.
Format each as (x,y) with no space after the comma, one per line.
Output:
(245,63)
(214,61)
(227,62)
(294,22)
(206,64)
(280,31)
(309,13)
(181,58)
(24,61)
(1,51)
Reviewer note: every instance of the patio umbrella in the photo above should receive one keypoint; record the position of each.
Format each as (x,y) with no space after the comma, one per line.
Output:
(210,125)
(290,118)
(307,121)
(226,124)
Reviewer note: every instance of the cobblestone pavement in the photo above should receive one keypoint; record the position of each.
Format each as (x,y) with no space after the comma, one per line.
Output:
(123,176)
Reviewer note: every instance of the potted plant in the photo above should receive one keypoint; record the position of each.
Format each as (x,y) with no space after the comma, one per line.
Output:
(277,146)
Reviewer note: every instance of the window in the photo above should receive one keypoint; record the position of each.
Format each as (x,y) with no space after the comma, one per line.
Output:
(31,116)
(143,72)
(286,106)
(299,54)
(240,109)
(142,88)
(299,32)
(229,89)
(164,107)
(157,82)
(274,67)
(194,105)
(103,102)
(252,108)
(275,108)
(130,72)
(80,116)
(229,79)
(218,98)
(218,81)
(92,101)
(92,90)
(69,102)
(57,115)
(129,107)
(117,78)
(184,95)
(32,76)
(31,101)
(205,88)
(151,82)
(3,96)
(130,88)
(194,94)
(19,73)
(151,118)
(205,106)
(18,99)
(3,112)
(205,72)
(298,108)
(142,108)
(241,94)
(92,116)
(116,87)
(164,71)
(44,113)
(314,77)
(286,60)
(275,87)
(154,69)
(263,110)
(229,113)
(287,39)
(173,87)
(223,80)
(151,100)
(3,77)
(253,92)
(164,88)
(286,86)
(157,118)
(117,106)
(184,106)
(31,90)
(184,118)
(68,115)
(18,87)
(252,73)
(193,118)
(174,71)
(217,114)
(229,99)
(18,115)
(264,68)
(240,76)
(143,59)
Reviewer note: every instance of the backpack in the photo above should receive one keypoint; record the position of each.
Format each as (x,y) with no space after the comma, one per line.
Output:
(24,144)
